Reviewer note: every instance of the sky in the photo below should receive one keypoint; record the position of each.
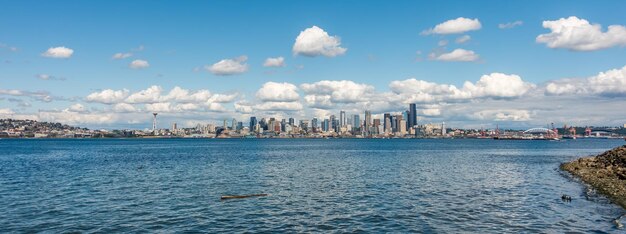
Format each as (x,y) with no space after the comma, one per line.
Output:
(110,64)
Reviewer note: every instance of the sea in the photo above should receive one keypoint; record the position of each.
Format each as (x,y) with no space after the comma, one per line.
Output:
(313,185)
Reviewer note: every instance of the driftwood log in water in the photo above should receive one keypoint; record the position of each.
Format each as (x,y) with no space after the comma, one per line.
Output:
(226,197)
(605,172)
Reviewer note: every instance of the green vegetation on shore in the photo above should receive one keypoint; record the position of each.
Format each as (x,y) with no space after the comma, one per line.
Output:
(605,172)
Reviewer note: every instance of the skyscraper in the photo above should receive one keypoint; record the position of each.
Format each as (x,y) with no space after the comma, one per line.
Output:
(356,123)
(387,122)
(333,123)
(292,121)
(253,123)
(412,121)
(342,119)
(314,124)
(368,122)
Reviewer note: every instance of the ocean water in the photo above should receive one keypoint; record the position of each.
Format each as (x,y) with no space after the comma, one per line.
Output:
(314,185)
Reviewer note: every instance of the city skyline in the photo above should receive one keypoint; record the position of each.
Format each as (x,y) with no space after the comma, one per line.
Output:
(516,65)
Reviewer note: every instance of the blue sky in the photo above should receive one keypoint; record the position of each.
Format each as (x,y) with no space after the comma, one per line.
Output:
(383,41)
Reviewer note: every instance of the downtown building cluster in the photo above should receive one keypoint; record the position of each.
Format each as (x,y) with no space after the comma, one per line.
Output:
(342,125)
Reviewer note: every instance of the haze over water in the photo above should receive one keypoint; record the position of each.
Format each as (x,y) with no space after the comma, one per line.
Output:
(370,185)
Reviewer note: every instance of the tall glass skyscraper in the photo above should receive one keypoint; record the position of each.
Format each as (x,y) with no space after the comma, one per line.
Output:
(357,123)
(253,123)
(412,121)
(342,119)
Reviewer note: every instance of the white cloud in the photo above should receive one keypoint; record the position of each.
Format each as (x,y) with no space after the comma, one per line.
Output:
(579,35)
(342,91)
(226,67)
(510,25)
(503,115)
(442,43)
(77,107)
(454,26)
(274,62)
(463,39)
(43,96)
(608,83)
(121,55)
(149,95)
(278,92)
(457,55)
(498,85)
(108,96)
(314,41)
(243,107)
(70,117)
(48,77)
(279,106)
(58,52)
(431,112)
(139,64)
(124,108)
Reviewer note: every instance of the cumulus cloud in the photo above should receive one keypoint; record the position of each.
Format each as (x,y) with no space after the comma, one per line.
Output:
(139,64)
(502,115)
(314,41)
(226,67)
(274,62)
(107,96)
(579,35)
(124,108)
(77,107)
(510,25)
(463,39)
(74,118)
(279,106)
(121,55)
(457,55)
(454,26)
(498,85)
(608,83)
(342,91)
(149,95)
(278,92)
(58,52)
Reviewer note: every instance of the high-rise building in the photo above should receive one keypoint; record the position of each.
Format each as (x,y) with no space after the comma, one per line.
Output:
(356,123)
(387,122)
(412,121)
(314,124)
(154,122)
(326,125)
(174,127)
(333,123)
(368,120)
(253,123)
(292,122)
(233,125)
(342,119)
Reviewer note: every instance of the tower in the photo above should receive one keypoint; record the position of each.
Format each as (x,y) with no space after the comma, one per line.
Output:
(154,122)
(412,115)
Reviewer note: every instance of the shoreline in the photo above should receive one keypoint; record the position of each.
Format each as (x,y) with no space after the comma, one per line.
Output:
(605,172)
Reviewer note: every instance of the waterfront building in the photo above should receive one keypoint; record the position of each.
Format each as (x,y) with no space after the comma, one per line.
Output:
(356,126)
(368,121)
(412,121)
(387,122)
(342,119)
(292,121)
(253,122)
(314,125)
(333,123)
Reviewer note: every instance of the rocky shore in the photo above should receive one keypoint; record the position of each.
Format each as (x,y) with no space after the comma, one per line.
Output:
(605,172)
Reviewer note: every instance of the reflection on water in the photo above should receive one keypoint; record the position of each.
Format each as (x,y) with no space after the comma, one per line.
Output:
(314,185)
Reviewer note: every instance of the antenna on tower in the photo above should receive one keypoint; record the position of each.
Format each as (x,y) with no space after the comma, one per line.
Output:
(154,122)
